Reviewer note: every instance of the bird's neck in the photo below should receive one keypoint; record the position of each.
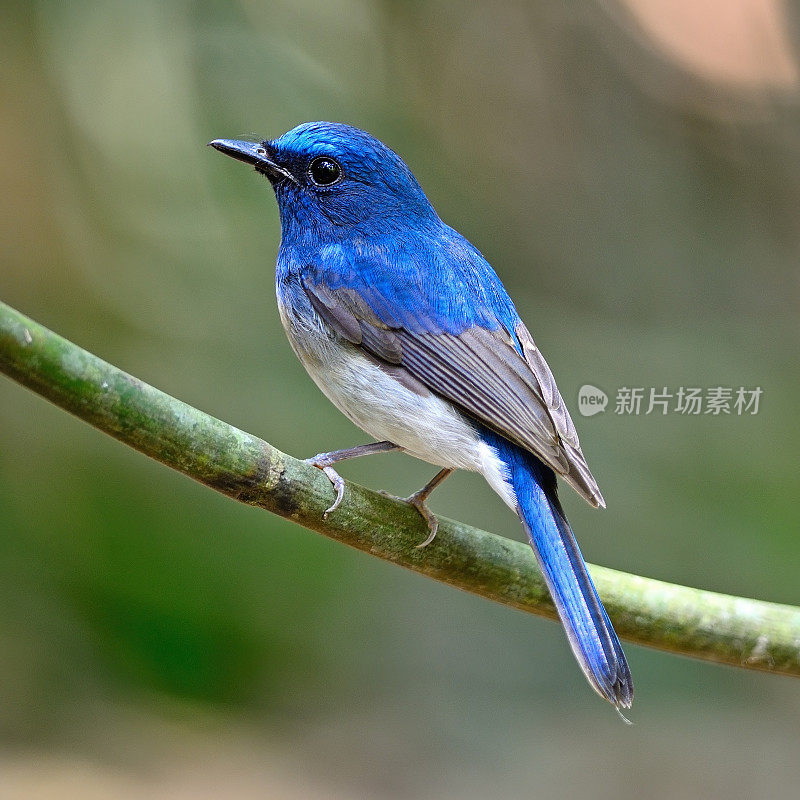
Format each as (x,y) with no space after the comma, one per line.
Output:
(351,247)
(306,233)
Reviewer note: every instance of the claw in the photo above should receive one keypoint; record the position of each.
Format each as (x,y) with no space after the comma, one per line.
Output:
(418,501)
(324,462)
(338,484)
(321,462)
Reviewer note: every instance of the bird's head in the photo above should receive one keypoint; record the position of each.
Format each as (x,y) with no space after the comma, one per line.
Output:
(335,179)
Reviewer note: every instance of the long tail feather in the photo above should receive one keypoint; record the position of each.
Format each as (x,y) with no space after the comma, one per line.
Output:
(589,631)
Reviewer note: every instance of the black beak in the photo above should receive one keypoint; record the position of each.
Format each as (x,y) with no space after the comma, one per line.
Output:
(252,153)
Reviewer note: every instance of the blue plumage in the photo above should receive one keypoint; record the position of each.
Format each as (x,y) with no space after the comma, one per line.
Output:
(419,287)
(589,630)
(408,330)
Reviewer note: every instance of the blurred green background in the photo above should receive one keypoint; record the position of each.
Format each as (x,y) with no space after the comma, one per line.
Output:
(632,170)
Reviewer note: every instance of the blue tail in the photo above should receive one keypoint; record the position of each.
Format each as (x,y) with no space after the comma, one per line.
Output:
(588,628)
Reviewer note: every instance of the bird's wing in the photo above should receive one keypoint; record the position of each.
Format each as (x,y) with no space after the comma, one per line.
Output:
(507,386)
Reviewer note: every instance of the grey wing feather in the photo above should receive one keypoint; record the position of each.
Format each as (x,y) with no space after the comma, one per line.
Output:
(326,303)
(579,475)
(478,370)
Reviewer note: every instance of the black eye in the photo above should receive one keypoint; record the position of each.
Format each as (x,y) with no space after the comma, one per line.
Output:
(324,171)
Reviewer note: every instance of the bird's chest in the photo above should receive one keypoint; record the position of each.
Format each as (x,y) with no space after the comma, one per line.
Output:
(423,424)
(353,383)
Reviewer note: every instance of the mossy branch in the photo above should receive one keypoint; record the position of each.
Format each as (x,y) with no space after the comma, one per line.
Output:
(732,630)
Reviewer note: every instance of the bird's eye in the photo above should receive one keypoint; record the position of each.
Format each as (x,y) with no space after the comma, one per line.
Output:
(324,171)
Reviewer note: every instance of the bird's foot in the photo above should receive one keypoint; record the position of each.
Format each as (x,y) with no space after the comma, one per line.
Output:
(325,462)
(418,500)
(322,462)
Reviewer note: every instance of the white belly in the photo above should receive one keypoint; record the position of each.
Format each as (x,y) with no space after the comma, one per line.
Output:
(425,426)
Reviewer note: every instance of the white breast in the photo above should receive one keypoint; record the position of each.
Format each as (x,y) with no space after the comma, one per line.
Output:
(425,426)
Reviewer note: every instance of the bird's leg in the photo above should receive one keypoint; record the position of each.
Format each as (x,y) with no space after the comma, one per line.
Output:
(419,501)
(325,462)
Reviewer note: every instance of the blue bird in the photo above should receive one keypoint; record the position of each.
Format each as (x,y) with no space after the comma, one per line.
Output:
(407,329)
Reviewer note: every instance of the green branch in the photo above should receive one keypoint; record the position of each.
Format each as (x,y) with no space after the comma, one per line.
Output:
(731,630)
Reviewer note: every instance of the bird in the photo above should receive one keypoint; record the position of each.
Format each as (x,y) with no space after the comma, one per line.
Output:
(408,330)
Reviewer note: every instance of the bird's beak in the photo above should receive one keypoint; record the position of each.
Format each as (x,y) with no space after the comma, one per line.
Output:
(252,153)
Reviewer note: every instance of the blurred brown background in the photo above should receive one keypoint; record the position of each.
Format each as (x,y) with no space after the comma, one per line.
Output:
(632,170)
